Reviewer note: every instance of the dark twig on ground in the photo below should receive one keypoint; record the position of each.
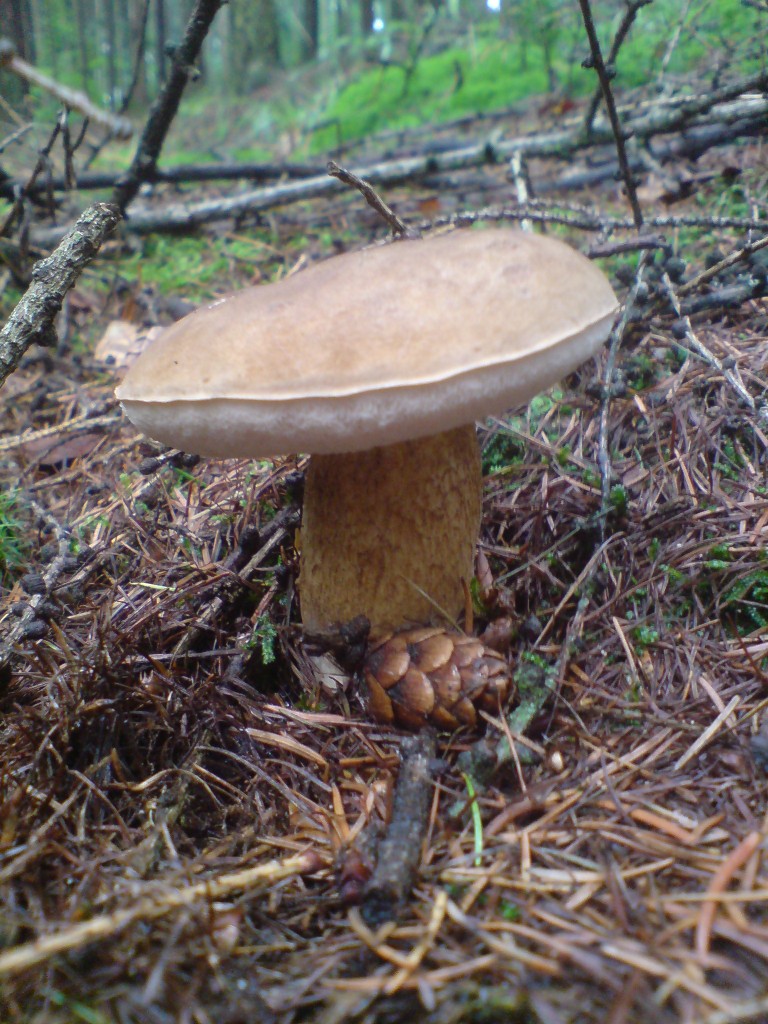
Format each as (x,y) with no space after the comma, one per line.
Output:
(596,61)
(583,218)
(175,176)
(32,320)
(400,851)
(637,244)
(371,197)
(238,570)
(164,109)
(738,256)
(689,338)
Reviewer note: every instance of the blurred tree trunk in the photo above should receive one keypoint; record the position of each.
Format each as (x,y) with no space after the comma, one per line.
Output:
(111,47)
(403,10)
(311,25)
(161,41)
(16,23)
(27,20)
(267,31)
(367,15)
(136,96)
(328,27)
(81,20)
(254,43)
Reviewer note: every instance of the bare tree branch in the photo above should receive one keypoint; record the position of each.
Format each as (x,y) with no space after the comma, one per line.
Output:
(118,126)
(164,109)
(633,6)
(173,175)
(610,106)
(689,113)
(32,320)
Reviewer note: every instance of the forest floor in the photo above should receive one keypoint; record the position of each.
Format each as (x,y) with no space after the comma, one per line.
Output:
(187,819)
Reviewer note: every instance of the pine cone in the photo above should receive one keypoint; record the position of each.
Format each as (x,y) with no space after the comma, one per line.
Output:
(430,675)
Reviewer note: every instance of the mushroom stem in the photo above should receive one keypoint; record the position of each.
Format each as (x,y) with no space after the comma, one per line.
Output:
(390,533)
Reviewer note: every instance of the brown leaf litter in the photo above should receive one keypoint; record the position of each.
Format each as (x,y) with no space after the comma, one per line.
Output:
(188,822)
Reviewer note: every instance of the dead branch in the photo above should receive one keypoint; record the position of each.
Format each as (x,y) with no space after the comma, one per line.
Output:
(104,926)
(720,106)
(172,175)
(32,319)
(19,194)
(688,145)
(583,218)
(400,851)
(518,170)
(738,256)
(371,197)
(698,348)
(239,570)
(596,61)
(622,32)
(164,108)
(120,127)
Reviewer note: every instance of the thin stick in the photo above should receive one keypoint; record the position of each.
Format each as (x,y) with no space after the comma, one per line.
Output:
(106,925)
(729,261)
(697,347)
(519,171)
(371,197)
(707,735)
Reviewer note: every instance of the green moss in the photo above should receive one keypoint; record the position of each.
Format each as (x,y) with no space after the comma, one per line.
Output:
(447,85)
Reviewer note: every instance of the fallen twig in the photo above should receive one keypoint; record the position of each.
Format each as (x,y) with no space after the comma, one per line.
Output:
(698,348)
(690,112)
(371,197)
(104,926)
(400,851)
(607,391)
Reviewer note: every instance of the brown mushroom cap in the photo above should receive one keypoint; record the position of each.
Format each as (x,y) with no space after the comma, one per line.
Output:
(374,347)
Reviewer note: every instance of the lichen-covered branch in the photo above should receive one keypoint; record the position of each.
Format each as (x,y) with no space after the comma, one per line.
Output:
(32,319)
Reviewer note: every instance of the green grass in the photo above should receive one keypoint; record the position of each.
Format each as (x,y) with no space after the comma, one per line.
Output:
(194,266)
(14,539)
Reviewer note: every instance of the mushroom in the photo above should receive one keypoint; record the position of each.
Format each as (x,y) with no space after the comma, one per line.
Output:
(377,363)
